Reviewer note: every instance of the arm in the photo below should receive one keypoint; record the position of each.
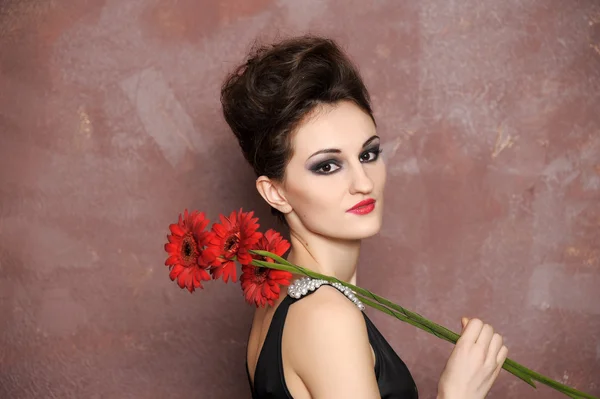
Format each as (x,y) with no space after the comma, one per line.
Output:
(328,347)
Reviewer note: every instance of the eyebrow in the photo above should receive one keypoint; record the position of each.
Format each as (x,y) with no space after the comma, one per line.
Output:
(337,151)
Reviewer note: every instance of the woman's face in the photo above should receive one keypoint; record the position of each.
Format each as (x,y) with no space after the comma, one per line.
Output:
(335,166)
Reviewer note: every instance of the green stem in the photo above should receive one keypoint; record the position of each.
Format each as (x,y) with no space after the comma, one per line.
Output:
(399,316)
(415,319)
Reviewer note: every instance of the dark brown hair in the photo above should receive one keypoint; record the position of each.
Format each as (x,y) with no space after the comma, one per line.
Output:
(266,98)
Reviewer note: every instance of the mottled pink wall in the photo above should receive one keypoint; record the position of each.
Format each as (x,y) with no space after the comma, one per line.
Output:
(110,126)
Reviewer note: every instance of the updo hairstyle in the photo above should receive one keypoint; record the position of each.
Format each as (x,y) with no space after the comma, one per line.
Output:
(267,97)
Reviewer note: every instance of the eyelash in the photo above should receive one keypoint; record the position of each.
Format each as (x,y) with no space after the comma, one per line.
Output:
(318,168)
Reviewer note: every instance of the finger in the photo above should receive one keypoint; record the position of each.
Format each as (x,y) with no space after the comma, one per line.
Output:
(485,336)
(502,355)
(492,353)
(463,322)
(501,358)
(472,331)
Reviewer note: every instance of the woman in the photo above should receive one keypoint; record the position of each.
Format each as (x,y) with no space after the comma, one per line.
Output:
(303,119)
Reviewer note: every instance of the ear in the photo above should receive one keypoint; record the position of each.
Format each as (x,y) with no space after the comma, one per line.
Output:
(273,194)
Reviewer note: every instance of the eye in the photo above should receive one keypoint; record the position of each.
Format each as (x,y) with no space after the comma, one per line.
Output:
(370,155)
(326,168)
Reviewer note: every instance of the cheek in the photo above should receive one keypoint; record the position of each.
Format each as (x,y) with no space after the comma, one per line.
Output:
(378,176)
(383,176)
(318,202)
(318,195)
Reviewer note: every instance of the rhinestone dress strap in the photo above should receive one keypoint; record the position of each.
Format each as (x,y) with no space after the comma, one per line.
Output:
(304,285)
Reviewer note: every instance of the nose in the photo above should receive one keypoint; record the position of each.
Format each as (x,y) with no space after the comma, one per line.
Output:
(361,182)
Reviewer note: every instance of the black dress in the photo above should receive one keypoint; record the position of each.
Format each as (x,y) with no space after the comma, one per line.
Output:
(393,378)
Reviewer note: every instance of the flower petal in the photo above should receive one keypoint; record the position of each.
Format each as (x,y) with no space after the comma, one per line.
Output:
(176,230)
(171,260)
(175,271)
(170,247)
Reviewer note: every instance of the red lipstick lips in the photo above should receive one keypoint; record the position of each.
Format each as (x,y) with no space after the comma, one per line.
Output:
(363,207)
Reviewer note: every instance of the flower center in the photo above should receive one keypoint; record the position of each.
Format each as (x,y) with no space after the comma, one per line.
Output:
(189,250)
(260,275)
(232,243)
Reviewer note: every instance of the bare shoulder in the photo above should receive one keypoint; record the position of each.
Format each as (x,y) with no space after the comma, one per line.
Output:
(327,302)
(326,309)
(328,347)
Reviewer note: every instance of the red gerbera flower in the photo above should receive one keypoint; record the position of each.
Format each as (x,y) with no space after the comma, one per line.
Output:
(261,284)
(234,236)
(188,260)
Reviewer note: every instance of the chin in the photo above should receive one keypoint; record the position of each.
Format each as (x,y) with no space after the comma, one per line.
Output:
(366,233)
(363,229)
(349,228)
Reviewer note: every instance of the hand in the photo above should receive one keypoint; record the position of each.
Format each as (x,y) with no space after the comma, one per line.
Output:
(474,363)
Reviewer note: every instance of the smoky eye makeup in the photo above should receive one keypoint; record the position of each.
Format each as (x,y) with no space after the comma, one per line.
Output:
(371,154)
(325,167)
(330,165)
(374,148)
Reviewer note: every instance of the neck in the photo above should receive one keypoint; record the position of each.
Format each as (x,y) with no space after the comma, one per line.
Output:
(324,255)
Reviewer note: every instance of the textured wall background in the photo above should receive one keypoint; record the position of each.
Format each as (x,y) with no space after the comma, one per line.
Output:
(110,126)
